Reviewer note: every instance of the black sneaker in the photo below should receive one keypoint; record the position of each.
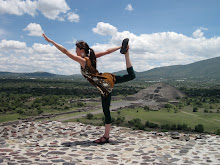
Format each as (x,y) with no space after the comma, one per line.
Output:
(124,46)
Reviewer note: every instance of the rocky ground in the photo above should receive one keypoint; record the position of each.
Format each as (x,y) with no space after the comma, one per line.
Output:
(53,142)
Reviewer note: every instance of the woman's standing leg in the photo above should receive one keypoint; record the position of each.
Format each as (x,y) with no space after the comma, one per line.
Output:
(106,101)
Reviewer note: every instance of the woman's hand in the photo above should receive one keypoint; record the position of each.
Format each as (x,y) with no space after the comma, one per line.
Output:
(46,38)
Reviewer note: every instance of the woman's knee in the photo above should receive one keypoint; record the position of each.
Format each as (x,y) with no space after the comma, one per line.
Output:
(133,76)
(131,73)
(108,120)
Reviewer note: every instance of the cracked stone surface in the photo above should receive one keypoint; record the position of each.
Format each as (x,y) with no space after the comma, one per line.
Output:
(53,142)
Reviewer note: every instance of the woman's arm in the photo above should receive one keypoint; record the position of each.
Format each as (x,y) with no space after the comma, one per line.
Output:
(108,51)
(65,51)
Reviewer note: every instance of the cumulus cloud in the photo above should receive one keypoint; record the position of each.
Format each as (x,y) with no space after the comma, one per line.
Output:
(51,9)
(129,7)
(147,51)
(72,17)
(9,45)
(34,29)
(18,7)
(198,33)
(15,56)
(105,29)
(159,49)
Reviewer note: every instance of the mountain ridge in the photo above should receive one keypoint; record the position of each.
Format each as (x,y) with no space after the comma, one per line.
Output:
(205,69)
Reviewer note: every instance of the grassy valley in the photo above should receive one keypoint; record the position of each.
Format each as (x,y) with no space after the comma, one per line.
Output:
(24,95)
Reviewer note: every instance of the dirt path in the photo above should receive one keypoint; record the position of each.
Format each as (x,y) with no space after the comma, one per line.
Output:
(114,106)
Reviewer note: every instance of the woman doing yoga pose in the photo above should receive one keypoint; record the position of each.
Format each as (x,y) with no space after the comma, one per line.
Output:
(104,82)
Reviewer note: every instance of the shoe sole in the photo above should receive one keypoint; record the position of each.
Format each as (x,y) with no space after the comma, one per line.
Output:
(124,46)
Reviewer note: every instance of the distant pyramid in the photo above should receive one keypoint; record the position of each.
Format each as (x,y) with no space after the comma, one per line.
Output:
(160,92)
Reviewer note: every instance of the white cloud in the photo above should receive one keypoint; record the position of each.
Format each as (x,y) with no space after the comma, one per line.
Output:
(17,57)
(34,29)
(198,33)
(157,49)
(18,7)
(72,17)
(129,7)
(10,45)
(105,29)
(147,51)
(51,9)
(44,49)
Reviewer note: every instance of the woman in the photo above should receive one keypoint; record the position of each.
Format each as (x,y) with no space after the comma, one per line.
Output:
(103,81)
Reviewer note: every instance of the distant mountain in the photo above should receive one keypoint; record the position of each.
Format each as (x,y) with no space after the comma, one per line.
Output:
(38,75)
(35,74)
(202,70)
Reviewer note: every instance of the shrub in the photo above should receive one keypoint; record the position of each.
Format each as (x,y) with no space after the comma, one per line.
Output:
(185,127)
(206,111)
(165,126)
(173,127)
(168,106)
(136,123)
(153,125)
(20,111)
(178,97)
(80,104)
(182,127)
(146,108)
(199,128)
(103,119)
(89,116)
(150,124)
(195,109)
(147,123)
(113,119)
(39,111)
(199,104)
(217,132)
(119,120)
(140,126)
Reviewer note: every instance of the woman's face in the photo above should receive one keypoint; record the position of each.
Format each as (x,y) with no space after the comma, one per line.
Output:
(80,52)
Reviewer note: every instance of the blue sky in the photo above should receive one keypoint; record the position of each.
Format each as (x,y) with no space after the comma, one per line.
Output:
(161,33)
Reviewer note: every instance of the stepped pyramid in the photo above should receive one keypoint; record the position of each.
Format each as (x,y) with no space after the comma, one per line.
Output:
(160,92)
